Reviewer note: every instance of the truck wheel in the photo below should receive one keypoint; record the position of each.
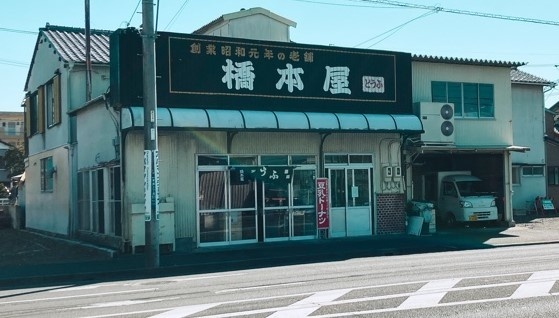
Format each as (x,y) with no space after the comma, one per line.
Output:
(450,220)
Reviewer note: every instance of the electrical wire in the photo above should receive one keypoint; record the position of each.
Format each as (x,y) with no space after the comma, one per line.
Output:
(463,12)
(176,15)
(18,31)
(133,13)
(344,5)
(393,30)
(13,63)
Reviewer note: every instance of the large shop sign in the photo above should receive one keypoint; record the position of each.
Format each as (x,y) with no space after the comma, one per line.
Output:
(322,203)
(222,73)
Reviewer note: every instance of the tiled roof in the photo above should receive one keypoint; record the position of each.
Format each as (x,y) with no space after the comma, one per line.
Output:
(464,61)
(517,76)
(70,43)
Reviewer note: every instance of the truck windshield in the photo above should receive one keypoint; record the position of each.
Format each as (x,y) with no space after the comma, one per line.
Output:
(467,188)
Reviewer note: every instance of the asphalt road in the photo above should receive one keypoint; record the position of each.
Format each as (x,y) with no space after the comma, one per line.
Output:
(28,258)
(518,281)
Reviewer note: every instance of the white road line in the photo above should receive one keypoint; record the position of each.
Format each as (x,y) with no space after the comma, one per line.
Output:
(127,303)
(86,287)
(77,296)
(307,306)
(429,295)
(538,284)
(547,275)
(205,277)
(257,287)
(184,311)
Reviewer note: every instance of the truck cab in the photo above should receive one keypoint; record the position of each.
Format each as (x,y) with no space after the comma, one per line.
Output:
(461,200)
(458,197)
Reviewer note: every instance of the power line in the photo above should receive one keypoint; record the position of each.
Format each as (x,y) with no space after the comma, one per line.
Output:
(464,12)
(343,4)
(13,63)
(393,30)
(18,31)
(133,13)
(176,15)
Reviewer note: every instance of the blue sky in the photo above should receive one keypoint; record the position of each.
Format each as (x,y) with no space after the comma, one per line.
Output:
(346,23)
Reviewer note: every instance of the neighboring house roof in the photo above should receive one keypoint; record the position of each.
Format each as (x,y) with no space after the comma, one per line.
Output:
(520,77)
(554,108)
(243,13)
(464,61)
(69,44)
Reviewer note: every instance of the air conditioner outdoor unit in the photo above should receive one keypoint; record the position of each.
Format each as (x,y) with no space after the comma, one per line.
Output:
(438,122)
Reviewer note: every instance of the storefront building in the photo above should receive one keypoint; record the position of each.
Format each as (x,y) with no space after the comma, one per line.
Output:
(259,140)
(248,130)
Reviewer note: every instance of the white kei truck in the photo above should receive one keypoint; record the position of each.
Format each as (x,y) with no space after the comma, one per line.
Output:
(457,197)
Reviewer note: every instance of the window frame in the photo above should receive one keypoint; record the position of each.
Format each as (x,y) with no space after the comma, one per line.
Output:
(52,101)
(516,175)
(47,174)
(553,176)
(529,171)
(481,99)
(32,113)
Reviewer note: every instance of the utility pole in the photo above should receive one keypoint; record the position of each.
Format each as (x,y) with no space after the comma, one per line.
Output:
(151,154)
(87,53)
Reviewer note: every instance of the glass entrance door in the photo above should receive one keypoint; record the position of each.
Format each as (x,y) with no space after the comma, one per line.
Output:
(350,199)
(289,208)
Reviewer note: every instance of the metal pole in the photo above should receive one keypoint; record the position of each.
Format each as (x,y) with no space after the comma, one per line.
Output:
(87,52)
(151,156)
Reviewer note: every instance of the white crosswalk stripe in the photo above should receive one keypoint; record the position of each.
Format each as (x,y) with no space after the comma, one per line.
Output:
(429,295)
(184,311)
(539,284)
(307,306)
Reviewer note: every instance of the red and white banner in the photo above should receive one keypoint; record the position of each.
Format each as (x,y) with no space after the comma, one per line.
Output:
(322,203)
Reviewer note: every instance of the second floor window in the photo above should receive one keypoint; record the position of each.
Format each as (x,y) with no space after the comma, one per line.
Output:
(52,101)
(32,114)
(43,107)
(471,100)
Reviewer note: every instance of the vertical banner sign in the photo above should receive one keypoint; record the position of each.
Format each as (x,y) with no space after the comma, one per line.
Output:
(155,183)
(151,183)
(322,203)
(147,185)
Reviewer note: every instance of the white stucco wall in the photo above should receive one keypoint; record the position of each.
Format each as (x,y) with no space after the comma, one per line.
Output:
(529,129)
(96,132)
(48,211)
(100,79)
(528,123)
(469,131)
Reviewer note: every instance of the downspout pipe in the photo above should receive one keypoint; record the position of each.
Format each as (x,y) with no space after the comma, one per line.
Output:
(72,160)
(321,171)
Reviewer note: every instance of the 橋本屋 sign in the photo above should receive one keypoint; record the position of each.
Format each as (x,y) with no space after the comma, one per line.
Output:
(227,73)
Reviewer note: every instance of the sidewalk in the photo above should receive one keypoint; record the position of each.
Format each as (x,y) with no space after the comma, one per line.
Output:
(28,258)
